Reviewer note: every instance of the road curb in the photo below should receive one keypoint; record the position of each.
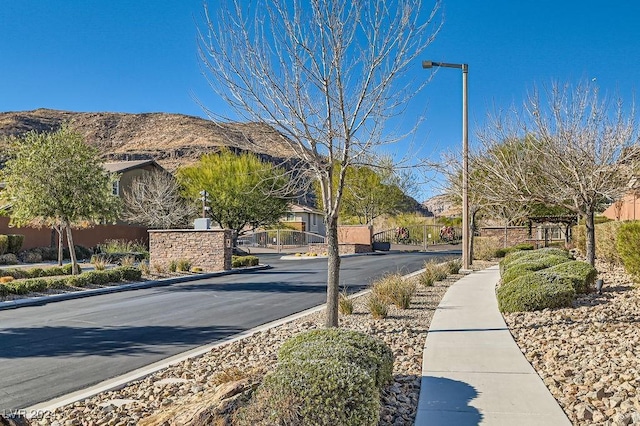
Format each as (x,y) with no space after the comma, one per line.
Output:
(43,300)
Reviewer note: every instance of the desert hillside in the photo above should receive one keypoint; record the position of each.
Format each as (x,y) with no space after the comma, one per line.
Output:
(170,139)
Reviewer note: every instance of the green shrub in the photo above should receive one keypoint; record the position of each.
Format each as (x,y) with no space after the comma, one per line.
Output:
(438,271)
(14,243)
(582,274)
(81,252)
(535,291)
(96,277)
(240,261)
(68,269)
(628,245)
(17,287)
(8,259)
(4,290)
(130,273)
(57,283)
(113,275)
(81,280)
(528,264)
(319,392)
(173,266)
(4,243)
(347,346)
(35,285)
(535,255)
(485,248)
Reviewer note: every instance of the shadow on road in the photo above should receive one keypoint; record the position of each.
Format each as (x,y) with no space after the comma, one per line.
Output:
(81,341)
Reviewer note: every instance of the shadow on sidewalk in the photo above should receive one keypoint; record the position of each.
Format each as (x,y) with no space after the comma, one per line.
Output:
(446,402)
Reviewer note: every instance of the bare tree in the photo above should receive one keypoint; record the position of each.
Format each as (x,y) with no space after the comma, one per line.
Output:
(568,148)
(326,74)
(154,200)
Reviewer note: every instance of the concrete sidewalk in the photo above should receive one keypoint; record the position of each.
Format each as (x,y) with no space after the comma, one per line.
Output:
(472,371)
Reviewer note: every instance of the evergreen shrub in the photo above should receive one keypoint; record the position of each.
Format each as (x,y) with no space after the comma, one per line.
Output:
(535,291)
(628,246)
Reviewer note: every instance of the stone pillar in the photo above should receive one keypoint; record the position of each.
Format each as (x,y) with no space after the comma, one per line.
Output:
(204,248)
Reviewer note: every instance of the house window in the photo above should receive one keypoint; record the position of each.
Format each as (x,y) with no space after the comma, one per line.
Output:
(116,187)
(290,217)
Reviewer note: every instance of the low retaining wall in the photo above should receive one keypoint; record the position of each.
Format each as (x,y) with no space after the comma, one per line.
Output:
(346,248)
(205,248)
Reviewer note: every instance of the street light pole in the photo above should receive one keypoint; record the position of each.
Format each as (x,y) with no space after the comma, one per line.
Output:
(466,256)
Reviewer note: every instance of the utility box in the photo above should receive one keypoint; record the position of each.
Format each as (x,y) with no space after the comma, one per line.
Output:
(202,223)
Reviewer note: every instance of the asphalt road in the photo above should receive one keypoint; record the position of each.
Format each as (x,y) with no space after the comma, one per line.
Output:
(51,350)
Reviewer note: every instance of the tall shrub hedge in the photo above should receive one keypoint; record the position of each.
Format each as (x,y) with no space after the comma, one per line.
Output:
(628,246)
(4,244)
(15,243)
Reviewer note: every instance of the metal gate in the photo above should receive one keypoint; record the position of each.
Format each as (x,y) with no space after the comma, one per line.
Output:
(278,240)
(420,235)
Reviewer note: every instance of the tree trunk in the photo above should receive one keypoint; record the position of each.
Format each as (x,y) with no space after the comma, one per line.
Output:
(590,237)
(506,232)
(472,232)
(60,244)
(72,251)
(333,272)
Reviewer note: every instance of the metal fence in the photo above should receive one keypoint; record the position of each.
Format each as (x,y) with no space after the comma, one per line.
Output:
(420,235)
(279,239)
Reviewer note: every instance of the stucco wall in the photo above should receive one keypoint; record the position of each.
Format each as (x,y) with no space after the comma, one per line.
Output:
(356,234)
(515,234)
(204,248)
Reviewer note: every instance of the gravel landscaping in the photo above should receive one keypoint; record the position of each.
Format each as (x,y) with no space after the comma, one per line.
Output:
(589,355)
(169,394)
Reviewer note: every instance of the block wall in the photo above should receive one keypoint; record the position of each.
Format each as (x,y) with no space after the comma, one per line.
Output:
(204,248)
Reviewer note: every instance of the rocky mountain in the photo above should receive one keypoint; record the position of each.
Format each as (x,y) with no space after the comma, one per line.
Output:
(170,139)
(440,206)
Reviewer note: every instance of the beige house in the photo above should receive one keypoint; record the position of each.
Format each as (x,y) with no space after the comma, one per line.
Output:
(305,218)
(128,170)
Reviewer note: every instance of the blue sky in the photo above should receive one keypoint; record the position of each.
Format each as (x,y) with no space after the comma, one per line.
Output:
(140,56)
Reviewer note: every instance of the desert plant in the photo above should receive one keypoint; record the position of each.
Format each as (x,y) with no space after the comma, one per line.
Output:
(128,260)
(196,269)
(145,268)
(99,262)
(183,265)
(173,266)
(535,291)
(129,273)
(159,268)
(377,307)
(7,279)
(628,246)
(345,304)
(426,278)
(454,266)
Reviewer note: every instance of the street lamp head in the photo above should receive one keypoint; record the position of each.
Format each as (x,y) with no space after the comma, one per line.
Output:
(427,64)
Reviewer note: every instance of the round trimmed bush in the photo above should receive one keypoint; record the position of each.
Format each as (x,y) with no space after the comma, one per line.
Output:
(535,255)
(535,291)
(525,265)
(582,274)
(349,346)
(320,392)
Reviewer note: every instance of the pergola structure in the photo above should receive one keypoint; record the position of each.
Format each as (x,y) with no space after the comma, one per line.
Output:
(566,220)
